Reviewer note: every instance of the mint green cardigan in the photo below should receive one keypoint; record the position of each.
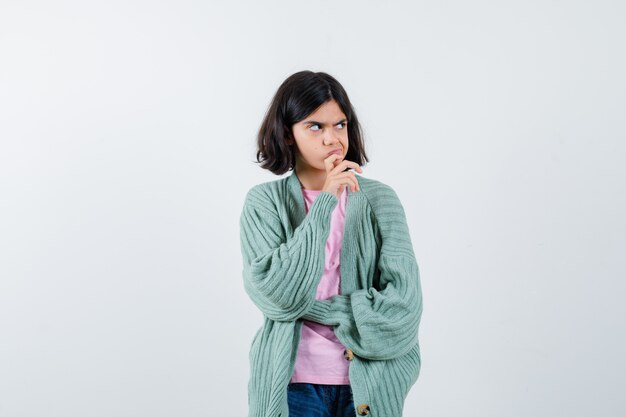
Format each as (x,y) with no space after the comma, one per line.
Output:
(377,314)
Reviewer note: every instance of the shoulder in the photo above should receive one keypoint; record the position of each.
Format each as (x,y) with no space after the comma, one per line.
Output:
(389,216)
(387,209)
(265,195)
(378,193)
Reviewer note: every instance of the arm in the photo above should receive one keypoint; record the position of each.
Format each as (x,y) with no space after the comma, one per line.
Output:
(380,324)
(281,275)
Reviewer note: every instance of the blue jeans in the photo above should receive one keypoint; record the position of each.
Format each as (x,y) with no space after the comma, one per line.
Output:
(315,400)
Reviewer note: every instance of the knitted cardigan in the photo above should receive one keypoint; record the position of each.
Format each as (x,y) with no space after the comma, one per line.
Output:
(377,314)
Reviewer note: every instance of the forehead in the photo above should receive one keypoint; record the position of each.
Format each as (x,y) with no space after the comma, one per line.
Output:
(329,112)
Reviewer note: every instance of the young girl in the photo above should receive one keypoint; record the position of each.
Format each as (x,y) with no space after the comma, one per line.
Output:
(328,259)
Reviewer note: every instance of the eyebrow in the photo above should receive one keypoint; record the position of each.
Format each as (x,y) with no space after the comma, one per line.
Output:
(313,122)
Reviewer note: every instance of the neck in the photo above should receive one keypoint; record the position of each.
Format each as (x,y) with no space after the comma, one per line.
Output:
(310,179)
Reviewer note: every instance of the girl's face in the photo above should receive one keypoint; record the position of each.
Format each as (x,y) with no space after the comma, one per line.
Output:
(323,131)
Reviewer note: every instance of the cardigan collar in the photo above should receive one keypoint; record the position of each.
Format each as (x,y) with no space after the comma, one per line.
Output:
(296,203)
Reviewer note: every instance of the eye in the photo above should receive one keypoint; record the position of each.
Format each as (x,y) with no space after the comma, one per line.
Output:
(315,130)
(343,124)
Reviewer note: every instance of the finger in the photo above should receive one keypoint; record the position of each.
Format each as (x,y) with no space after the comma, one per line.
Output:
(330,163)
(345,164)
(349,178)
(355,181)
(339,164)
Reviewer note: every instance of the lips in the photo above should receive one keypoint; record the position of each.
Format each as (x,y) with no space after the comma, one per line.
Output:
(337,151)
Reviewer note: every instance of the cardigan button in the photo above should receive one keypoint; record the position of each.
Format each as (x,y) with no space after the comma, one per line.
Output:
(348,354)
(363,409)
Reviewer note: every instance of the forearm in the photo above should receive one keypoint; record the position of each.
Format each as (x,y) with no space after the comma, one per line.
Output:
(281,277)
(376,324)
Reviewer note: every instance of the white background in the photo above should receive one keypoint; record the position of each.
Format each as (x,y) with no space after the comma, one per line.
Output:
(127,134)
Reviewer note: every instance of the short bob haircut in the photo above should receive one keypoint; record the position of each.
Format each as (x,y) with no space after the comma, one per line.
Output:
(297,97)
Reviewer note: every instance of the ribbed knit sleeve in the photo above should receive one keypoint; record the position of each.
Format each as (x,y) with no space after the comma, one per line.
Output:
(281,273)
(380,323)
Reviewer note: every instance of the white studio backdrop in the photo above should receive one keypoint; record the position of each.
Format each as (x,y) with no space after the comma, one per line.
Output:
(127,133)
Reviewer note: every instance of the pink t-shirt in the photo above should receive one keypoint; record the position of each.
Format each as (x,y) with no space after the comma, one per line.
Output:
(320,357)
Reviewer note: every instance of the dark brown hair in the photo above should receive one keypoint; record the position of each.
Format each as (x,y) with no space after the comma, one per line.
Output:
(297,97)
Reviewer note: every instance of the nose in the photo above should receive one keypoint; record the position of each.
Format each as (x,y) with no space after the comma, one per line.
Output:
(330,137)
